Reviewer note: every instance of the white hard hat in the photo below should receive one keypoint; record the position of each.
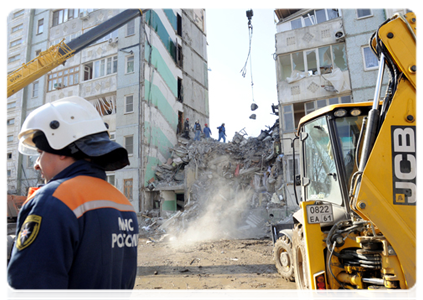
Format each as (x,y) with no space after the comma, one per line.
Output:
(62,122)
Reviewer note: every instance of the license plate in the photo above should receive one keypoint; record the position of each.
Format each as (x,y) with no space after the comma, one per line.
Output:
(319,214)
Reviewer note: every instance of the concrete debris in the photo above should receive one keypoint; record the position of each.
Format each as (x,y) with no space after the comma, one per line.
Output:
(235,186)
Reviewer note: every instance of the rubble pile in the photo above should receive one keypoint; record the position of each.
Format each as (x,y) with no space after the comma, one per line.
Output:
(234,184)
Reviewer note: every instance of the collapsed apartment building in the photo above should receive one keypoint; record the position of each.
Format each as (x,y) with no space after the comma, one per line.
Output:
(221,190)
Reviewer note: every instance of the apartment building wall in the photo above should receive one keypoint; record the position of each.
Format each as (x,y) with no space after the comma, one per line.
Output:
(131,77)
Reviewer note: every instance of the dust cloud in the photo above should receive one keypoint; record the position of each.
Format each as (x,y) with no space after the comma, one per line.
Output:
(222,216)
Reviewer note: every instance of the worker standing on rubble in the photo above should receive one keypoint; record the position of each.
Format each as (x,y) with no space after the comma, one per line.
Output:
(207,131)
(186,129)
(77,231)
(198,131)
(222,134)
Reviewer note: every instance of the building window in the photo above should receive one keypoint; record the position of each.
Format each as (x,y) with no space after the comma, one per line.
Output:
(285,68)
(129,104)
(100,68)
(105,105)
(9,155)
(63,78)
(9,173)
(179,56)
(314,17)
(362,13)
(64,15)
(15,43)
(318,61)
(10,122)
(180,90)
(10,138)
(11,105)
(130,28)
(129,64)
(17,28)
(127,188)
(14,58)
(369,59)
(35,89)
(40,28)
(292,113)
(288,118)
(179,24)
(129,144)
(18,14)
(111,179)
(37,52)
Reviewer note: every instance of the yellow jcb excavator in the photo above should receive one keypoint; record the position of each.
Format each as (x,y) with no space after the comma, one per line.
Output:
(356,227)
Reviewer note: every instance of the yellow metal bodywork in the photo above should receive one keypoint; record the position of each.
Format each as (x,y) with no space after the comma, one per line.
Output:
(39,66)
(399,37)
(392,216)
(315,245)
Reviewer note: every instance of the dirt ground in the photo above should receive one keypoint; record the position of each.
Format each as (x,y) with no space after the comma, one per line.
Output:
(223,264)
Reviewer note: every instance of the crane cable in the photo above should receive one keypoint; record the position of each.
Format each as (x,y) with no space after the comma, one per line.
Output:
(250,34)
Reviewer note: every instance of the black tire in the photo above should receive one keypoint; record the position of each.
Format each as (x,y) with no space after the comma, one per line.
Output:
(300,258)
(282,256)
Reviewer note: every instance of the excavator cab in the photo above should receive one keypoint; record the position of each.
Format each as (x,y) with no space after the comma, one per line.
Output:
(330,145)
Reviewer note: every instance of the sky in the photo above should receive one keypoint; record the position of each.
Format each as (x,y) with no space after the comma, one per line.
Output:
(231,94)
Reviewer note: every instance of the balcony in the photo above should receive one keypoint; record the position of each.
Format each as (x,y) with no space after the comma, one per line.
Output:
(95,87)
(326,33)
(315,87)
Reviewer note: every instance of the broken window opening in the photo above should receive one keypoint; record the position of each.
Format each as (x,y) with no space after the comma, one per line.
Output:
(309,19)
(179,24)
(179,57)
(325,59)
(339,57)
(105,105)
(180,122)
(285,67)
(312,62)
(298,61)
(180,90)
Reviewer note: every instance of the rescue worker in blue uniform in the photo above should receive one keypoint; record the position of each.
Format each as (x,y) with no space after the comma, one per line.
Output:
(222,133)
(77,231)
(198,131)
(207,131)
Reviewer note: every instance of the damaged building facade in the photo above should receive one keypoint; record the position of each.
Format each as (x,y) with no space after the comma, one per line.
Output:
(322,58)
(144,79)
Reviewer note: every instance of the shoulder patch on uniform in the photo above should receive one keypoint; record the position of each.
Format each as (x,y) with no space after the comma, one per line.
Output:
(28,232)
